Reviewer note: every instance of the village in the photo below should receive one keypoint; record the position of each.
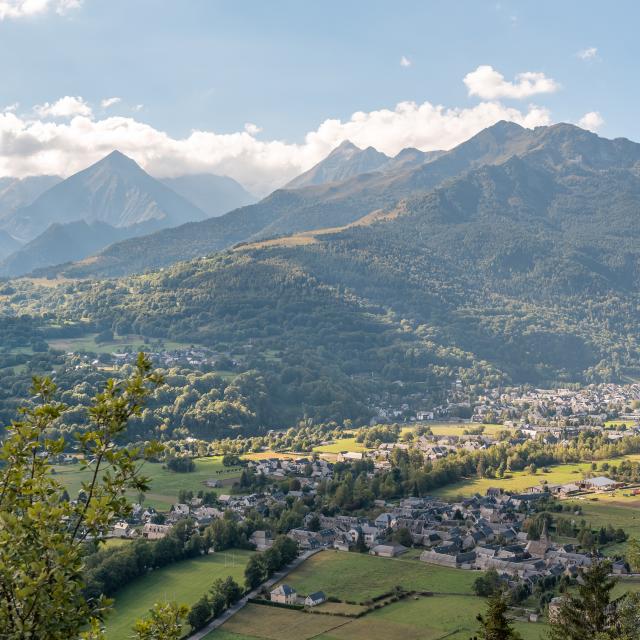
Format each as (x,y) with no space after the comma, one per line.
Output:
(476,533)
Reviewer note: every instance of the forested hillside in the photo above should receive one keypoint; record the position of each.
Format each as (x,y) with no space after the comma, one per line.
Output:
(524,271)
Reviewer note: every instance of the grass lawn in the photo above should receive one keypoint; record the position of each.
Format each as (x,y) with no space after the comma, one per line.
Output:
(184,582)
(165,484)
(423,618)
(520,480)
(358,577)
(343,444)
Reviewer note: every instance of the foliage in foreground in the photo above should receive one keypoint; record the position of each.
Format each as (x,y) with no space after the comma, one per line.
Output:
(42,533)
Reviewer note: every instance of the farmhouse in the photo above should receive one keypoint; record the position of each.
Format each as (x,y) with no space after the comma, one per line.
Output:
(155,531)
(284,594)
(601,483)
(315,599)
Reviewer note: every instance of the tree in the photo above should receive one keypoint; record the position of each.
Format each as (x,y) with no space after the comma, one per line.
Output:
(42,535)
(487,584)
(586,614)
(402,536)
(495,625)
(633,554)
(626,623)
(164,622)
(254,572)
(199,613)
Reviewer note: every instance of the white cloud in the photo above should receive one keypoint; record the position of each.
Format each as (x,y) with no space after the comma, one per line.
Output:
(591,121)
(66,107)
(489,84)
(405,62)
(31,146)
(25,8)
(109,102)
(588,54)
(251,128)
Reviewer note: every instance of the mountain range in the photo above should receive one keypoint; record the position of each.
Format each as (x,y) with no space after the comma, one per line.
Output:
(515,257)
(111,200)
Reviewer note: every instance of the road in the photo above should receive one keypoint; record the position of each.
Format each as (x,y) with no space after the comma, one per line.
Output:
(276,577)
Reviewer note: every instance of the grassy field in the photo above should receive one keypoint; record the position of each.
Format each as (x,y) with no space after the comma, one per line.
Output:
(184,582)
(343,444)
(617,511)
(520,480)
(88,343)
(457,429)
(165,484)
(422,618)
(351,576)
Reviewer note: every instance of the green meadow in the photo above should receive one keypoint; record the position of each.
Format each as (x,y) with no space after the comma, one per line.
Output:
(184,582)
(164,484)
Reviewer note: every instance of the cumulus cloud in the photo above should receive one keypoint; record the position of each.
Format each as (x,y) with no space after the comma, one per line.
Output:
(591,121)
(588,54)
(109,102)
(251,128)
(25,8)
(405,62)
(30,146)
(489,84)
(66,107)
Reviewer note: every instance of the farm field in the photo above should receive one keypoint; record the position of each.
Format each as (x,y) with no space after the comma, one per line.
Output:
(520,480)
(356,577)
(343,444)
(424,618)
(184,582)
(88,343)
(617,511)
(457,429)
(164,485)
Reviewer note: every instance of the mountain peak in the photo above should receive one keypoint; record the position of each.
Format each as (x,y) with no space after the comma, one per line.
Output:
(117,159)
(347,145)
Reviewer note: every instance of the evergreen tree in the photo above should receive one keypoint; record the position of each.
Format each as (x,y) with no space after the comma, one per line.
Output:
(495,625)
(586,614)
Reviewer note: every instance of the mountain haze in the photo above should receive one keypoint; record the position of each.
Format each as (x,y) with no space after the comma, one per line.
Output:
(115,191)
(16,193)
(345,161)
(288,211)
(212,194)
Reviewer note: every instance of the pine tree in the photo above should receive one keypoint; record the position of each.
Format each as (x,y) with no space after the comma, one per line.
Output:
(495,625)
(585,615)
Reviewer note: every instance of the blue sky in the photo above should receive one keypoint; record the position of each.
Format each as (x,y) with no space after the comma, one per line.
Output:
(289,66)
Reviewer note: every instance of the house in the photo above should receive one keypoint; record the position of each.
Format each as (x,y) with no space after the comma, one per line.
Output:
(388,550)
(314,599)
(385,521)
(284,594)
(261,539)
(152,531)
(123,530)
(350,456)
(181,510)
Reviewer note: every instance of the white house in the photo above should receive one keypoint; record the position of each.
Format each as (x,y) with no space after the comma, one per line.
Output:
(314,599)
